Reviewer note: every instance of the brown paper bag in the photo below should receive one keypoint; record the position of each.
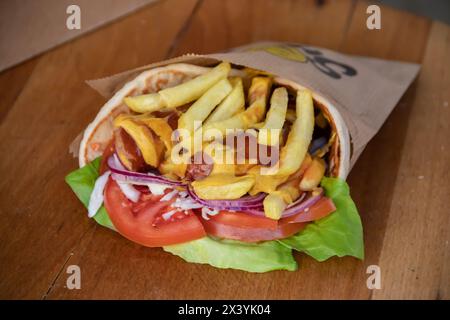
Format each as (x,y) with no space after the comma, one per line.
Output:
(364,90)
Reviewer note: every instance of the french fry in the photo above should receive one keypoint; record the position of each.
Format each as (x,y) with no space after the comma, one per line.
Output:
(285,194)
(181,94)
(274,206)
(270,183)
(231,105)
(299,138)
(313,175)
(162,129)
(158,125)
(265,183)
(150,148)
(195,88)
(201,108)
(241,169)
(168,168)
(274,119)
(235,122)
(258,93)
(145,103)
(223,186)
(259,90)
(294,156)
(289,190)
(258,125)
(222,157)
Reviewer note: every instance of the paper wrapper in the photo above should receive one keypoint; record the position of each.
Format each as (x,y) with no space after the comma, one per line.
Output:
(364,90)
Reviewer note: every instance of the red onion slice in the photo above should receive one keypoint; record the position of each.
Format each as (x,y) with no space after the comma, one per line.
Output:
(300,199)
(245,203)
(138,177)
(300,206)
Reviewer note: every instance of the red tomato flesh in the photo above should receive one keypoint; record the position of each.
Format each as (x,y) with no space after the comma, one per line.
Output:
(244,227)
(319,210)
(141,222)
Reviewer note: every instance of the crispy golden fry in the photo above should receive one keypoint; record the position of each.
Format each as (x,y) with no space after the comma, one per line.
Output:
(168,168)
(223,186)
(235,122)
(299,138)
(269,183)
(145,103)
(201,108)
(158,125)
(222,157)
(241,169)
(195,88)
(258,93)
(265,183)
(151,150)
(286,193)
(162,129)
(258,125)
(289,190)
(259,90)
(276,202)
(181,94)
(313,175)
(274,206)
(223,168)
(231,105)
(269,133)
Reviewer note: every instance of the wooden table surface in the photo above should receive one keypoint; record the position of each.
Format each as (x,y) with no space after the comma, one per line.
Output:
(401,183)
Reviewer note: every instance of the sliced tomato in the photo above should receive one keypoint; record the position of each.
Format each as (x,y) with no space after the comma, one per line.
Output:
(141,222)
(244,220)
(248,228)
(319,210)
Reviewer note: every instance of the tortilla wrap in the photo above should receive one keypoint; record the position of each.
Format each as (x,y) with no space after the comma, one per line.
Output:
(98,134)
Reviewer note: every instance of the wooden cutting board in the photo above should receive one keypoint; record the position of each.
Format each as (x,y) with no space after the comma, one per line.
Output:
(400,184)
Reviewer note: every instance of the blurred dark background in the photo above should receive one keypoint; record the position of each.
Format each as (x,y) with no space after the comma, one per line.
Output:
(434,9)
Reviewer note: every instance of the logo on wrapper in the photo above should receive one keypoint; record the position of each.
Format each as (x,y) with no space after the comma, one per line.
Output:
(73,21)
(333,69)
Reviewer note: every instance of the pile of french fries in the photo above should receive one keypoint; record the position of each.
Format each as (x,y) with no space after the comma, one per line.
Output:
(218,105)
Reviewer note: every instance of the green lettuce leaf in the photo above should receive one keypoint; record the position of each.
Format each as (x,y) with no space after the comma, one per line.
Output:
(82,183)
(340,234)
(262,257)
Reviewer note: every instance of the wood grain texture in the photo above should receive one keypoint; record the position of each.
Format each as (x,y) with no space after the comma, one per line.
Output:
(415,249)
(41,222)
(405,219)
(11,83)
(403,35)
(219,25)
